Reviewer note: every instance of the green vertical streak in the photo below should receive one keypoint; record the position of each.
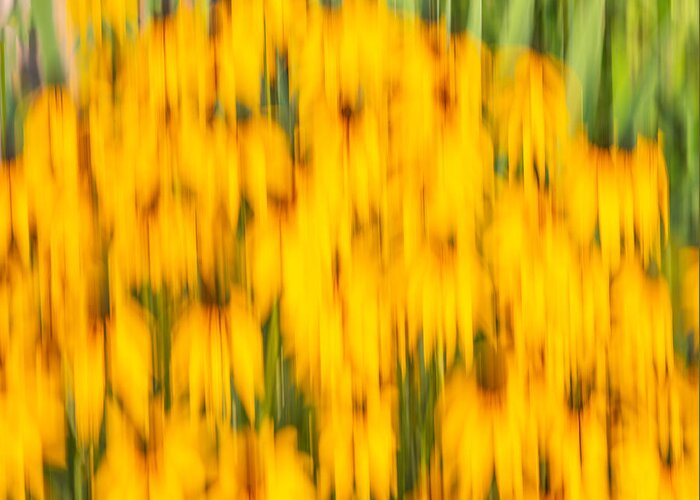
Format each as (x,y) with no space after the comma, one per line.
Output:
(77,476)
(42,18)
(163,339)
(539,26)
(271,353)
(583,56)
(91,472)
(268,92)
(156,7)
(564,28)
(404,434)
(475,19)
(602,133)
(448,19)
(622,96)
(167,341)
(3,112)
(517,29)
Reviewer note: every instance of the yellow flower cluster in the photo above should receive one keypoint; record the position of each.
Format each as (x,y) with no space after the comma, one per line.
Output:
(168,241)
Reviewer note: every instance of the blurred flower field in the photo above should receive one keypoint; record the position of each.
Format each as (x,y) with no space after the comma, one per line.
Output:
(424,249)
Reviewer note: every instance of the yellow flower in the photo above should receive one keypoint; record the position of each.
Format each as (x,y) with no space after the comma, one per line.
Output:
(69,267)
(171,244)
(471,65)
(576,310)
(333,317)
(676,420)
(438,86)
(655,455)
(532,117)
(191,61)
(348,162)
(642,333)
(285,23)
(206,164)
(165,240)
(14,220)
(50,157)
(171,467)
(212,345)
(123,471)
(158,77)
(176,468)
(446,300)
(650,193)
(246,354)
(266,166)
(482,425)
(310,308)
(580,191)
(367,327)
(167,73)
(215,250)
(429,485)
(456,197)
(32,418)
(510,247)
(637,469)
(5,215)
(632,200)
(418,101)
(611,213)
(86,13)
(366,149)
(45,405)
(239,54)
(20,458)
(118,13)
(201,360)
(93,13)
(265,465)
(129,342)
(571,440)
(357,449)
(122,184)
(337,68)
(287,471)
(336,455)
(264,246)
(324,186)
(19,314)
(88,372)
(552,298)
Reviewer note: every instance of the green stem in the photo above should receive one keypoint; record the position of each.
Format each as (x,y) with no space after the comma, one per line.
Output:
(91,471)
(3,112)
(77,477)
(271,354)
(564,28)
(603,131)
(538,27)
(164,347)
(268,92)
(42,18)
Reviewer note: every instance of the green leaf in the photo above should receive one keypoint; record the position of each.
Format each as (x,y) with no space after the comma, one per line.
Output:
(272,353)
(50,59)
(475,21)
(584,56)
(517,29)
